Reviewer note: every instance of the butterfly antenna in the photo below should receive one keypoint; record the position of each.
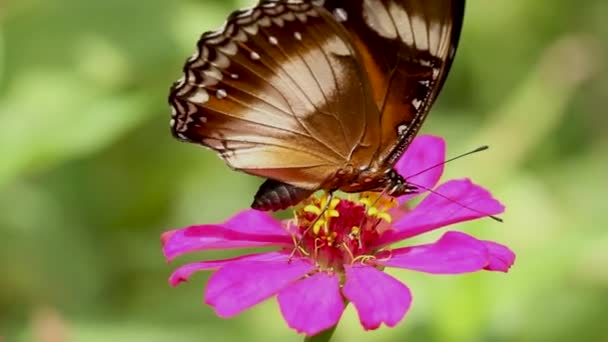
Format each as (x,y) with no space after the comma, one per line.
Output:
(479,149)
(495,218)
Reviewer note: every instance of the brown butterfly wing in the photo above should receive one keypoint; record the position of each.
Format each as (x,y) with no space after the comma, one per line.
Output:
(279,92)
(407,47)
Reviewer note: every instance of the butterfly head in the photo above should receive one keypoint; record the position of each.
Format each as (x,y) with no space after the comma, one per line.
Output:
(397,186)
(389,182)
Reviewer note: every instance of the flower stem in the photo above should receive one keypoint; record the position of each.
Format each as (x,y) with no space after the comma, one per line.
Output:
(323,336)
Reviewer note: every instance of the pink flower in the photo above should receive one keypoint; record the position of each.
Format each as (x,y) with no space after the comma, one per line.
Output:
(340,257)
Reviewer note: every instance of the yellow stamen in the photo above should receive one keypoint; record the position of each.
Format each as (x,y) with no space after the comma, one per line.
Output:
(317,226)
(297,248)
(352,257)
(365,201)
(363,258)
(332,237)
(334,202)
(318,244)
(384,216)
(319,206)
(332,213)
(388,256)
(312,209)
(377,205)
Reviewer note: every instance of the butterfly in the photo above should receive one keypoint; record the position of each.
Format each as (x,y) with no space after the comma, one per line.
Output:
(317,94)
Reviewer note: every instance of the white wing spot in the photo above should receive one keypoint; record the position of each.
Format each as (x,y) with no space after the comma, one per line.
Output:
(203,119)
(172,123)
(200,96)
(416,103)
(435,73)
(401,129)
(297,35)
(340,14)
(221,93)
(254,55)
(273,40)
(425,83)
(234,76)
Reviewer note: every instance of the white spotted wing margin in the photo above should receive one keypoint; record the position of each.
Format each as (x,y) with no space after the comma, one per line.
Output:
(407,47)
(279,92)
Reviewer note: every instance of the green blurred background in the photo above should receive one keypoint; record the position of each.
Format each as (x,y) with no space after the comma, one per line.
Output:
(90,176)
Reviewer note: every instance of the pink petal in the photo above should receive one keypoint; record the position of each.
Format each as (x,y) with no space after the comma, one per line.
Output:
(435,211)
(249,228)
(378,297)
(184,272)
(240,285)
(424,152)
(501,257)
(453,253)
(255,222)
(313,304)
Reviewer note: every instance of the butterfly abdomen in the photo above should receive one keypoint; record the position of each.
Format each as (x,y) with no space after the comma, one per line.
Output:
(274,195)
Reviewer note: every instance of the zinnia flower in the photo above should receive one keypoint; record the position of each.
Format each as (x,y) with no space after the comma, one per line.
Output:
(324,262)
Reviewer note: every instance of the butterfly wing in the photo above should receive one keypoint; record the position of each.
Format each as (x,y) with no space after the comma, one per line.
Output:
(407,47)
(278,92)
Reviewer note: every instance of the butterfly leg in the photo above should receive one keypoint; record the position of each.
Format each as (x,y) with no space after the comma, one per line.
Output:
(298,243)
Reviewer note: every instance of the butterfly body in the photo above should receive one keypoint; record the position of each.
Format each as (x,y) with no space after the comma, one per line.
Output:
(273,195)
(317,94)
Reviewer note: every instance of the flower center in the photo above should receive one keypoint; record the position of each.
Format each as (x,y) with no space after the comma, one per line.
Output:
(336,231)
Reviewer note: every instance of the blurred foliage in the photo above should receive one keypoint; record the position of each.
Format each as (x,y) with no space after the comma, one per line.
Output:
(89,176)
